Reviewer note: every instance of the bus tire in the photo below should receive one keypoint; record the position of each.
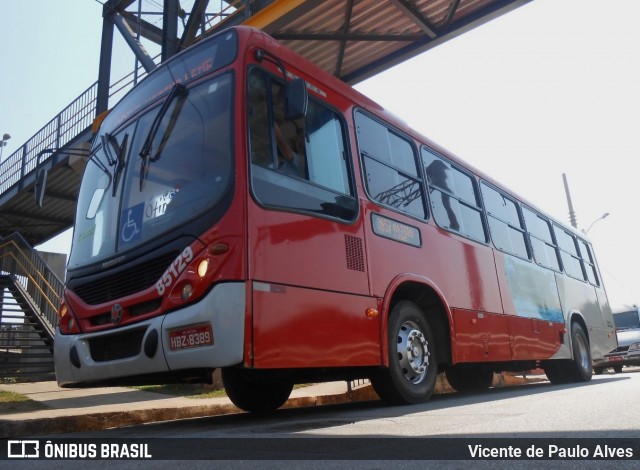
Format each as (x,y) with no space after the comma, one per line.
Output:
(578,369)
(469,377)
(413,366)
(253,394)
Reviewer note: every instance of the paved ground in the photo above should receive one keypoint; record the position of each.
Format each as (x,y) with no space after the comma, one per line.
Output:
(86,409)
(89,409)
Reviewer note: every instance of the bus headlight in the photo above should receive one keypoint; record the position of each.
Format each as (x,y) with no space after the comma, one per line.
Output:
(203,266)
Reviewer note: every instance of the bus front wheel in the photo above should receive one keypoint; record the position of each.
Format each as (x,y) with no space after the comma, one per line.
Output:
(413,366)
(255,394)
(578,369)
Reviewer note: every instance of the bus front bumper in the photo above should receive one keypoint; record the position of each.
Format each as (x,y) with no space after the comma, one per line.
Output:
(205,335)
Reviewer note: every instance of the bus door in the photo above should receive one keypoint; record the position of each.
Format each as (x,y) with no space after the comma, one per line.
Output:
(305,247)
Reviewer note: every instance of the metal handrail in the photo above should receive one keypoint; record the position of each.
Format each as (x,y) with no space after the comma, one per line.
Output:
(44,287)
(63,128)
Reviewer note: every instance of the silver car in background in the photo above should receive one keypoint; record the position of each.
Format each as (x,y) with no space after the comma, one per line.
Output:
(627,353)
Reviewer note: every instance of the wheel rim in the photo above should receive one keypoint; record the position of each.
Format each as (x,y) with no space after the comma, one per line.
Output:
(413,352)
(583,351)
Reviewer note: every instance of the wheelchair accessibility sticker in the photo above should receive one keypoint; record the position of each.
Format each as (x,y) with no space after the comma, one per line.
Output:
(131,223)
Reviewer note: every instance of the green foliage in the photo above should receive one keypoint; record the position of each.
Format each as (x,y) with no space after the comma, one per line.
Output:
(11,402)
(184,390)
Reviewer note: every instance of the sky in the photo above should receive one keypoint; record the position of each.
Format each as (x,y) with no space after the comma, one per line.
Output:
(548,89)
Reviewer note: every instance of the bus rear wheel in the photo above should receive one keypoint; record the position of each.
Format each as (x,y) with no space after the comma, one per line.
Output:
(413,366)
(469,377)
(255,394)
(578,369)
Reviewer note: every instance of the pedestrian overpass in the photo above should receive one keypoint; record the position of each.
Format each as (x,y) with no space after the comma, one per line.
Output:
(352,39)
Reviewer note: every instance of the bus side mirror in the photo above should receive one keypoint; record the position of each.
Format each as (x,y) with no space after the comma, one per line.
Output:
(40,186)
(296,99)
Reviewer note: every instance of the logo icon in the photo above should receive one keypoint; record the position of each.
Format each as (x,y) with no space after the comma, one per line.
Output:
(116,314)
(23,449)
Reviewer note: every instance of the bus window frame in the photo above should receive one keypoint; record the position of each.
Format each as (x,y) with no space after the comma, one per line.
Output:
(414,148)
(298,181)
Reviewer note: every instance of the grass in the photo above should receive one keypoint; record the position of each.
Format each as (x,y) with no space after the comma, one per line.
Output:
(183,390)
(11,402)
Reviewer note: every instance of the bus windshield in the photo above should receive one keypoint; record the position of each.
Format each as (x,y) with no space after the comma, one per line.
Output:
(156,173)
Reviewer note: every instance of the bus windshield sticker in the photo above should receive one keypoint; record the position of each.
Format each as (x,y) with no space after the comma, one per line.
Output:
(394,230)
(131,223)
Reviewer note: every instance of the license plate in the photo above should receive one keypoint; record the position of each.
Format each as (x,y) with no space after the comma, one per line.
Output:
(615,358)
(191,337)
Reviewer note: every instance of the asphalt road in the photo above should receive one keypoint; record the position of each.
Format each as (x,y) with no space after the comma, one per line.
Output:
(594,425)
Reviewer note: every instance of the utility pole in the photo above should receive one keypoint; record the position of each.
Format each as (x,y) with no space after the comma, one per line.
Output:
(572,214)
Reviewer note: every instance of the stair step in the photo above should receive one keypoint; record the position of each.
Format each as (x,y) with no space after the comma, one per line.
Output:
(7,367)
(20,361)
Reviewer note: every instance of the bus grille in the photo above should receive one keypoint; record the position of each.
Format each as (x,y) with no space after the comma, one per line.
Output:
(127,282)
(119,346)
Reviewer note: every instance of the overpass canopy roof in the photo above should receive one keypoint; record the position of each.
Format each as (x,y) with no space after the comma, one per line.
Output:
(352,39)
(357,39)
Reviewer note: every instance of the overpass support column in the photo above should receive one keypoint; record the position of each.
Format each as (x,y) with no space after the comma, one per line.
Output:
(170,29)
(104,72)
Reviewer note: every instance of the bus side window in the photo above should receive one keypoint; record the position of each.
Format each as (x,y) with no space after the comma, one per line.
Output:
(258,117)
(391,173)
(326,156)
(274,142)
(287,155)
(569,254)
(588,262)
(507,231)
(454,197)
(545,252)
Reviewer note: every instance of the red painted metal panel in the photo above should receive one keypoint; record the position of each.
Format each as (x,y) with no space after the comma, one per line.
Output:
(480,337)
(297,327)
(533,338)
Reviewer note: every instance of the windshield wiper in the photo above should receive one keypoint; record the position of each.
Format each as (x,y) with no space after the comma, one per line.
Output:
(109,142)
(178,90)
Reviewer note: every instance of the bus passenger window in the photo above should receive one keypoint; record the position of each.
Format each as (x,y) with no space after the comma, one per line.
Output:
(507,231)
(390,167)
(454,197)
(588,262)
(544,248)
(437,177)
(569,254)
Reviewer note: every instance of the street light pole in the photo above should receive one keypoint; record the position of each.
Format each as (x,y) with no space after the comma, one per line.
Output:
(3,143)
(603,216)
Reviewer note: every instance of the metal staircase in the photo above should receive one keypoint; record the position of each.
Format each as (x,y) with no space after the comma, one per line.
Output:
(29,297)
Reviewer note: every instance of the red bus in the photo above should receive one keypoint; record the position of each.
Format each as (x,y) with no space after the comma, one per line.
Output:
(242,209)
